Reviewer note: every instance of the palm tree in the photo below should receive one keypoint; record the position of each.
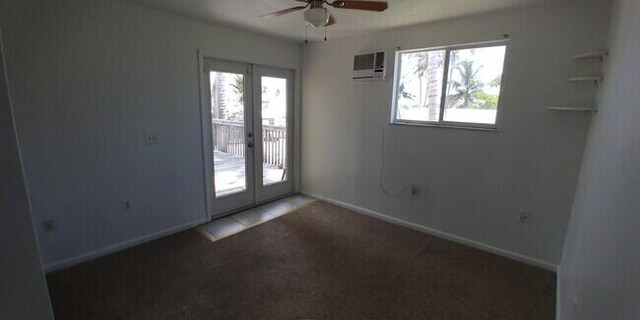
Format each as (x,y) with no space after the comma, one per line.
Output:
(421,69)
(465,86)
(427,67)
(238,87)
(231,102)
(216,96)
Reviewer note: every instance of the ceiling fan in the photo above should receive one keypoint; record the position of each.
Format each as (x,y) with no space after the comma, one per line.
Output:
(318,16)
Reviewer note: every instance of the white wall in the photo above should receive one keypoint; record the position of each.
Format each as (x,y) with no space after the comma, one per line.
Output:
(23,290)
(601,261)
(90,78)
(472,184)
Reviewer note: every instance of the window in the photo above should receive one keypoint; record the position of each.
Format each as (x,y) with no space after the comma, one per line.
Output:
(453,86)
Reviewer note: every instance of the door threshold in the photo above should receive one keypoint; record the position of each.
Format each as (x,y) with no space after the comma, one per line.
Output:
(234,223)
(251,206)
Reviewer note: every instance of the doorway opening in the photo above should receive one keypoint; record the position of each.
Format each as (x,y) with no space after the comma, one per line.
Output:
(250,107)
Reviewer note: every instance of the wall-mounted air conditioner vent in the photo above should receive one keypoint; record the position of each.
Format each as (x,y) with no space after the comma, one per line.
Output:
(369,66)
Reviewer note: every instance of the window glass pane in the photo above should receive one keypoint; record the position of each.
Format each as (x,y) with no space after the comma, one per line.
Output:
(473,86)
(419,85)
(274,130)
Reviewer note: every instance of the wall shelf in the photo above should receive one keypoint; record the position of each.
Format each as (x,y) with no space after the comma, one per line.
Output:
(572,109)
(594,79)
(592,55)
(597,55)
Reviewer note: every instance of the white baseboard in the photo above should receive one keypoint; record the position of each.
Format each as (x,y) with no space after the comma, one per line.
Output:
(440,234)
(559,292)
(437,233)
(51,267)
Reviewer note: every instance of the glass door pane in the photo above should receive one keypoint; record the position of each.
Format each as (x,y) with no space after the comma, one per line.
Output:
(273,127)
(231,154)
(274,130)
(228,132)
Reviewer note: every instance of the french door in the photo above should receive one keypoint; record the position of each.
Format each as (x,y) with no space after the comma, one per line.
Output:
(251,133)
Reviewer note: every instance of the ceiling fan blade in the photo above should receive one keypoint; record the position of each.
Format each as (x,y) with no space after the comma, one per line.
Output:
(331,22)
(285,11)
(361,5)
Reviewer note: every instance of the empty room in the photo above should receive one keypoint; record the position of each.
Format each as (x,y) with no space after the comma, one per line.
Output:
(307,159)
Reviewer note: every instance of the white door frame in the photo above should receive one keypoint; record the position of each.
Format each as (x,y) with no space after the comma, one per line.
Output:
(206,130)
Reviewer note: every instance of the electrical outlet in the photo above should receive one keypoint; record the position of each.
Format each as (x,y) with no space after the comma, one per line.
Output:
(524,217)
(127,205)
(49,225)
(574,307)
(150,138)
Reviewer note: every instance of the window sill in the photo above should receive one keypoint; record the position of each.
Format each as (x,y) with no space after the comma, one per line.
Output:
(445,126)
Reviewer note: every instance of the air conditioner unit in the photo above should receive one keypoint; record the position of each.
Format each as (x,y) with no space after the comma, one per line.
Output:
(369,66)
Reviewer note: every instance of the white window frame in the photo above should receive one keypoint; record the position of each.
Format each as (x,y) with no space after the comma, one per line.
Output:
(445,78)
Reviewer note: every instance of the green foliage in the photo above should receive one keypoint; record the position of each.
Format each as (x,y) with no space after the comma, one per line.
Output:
(465,85)
(496,82)
(485,100)
(238,87)
(236,113)
(468,91)
(423,63)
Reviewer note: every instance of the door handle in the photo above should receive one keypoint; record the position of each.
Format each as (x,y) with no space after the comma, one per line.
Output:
(250,144)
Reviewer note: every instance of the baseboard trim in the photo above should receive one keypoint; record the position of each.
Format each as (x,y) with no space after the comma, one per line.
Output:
(55,266)
(440,234)
(559,292)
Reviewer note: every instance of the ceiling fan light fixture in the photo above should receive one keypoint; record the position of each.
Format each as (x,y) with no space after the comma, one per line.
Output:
(317,17)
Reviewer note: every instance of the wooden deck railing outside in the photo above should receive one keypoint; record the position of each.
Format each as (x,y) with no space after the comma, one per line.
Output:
(229,137)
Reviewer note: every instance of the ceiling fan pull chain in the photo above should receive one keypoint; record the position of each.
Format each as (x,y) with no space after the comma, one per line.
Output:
(325,33)
(306,33)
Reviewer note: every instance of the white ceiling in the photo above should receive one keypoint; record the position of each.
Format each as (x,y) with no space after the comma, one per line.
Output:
(245,14)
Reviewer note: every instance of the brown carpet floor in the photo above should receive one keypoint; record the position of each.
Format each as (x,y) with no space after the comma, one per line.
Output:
(320,262)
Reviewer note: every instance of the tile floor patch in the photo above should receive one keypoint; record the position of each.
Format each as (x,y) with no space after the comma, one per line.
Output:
(252,216)
(224,227)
